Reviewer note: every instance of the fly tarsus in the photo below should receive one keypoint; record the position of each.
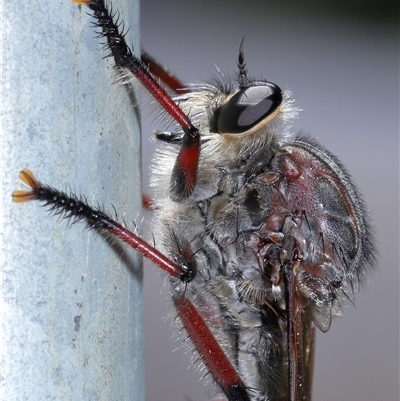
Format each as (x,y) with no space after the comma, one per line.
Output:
(72,207)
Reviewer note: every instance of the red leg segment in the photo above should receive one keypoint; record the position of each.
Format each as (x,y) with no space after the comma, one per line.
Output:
(184,175)
(211,353)
(164,75)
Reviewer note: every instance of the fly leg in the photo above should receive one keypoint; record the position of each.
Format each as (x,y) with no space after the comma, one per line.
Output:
(71,207)
(159,71)
(184,176)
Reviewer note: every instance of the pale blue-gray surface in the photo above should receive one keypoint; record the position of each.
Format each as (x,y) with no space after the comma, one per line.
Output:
(71,309)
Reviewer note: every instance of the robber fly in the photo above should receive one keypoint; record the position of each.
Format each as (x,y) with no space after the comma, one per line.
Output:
(262,233)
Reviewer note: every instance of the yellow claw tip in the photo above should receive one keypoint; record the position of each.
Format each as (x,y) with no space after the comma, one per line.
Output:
(29,178)
(21,196)
(81,2)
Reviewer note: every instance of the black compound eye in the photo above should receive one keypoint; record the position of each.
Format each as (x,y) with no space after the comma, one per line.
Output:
(248,107)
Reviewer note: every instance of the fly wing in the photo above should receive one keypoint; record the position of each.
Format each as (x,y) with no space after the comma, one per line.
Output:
(333,244)
(331,251)
(339,250)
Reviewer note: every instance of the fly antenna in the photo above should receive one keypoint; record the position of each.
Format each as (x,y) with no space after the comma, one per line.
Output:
(242,67)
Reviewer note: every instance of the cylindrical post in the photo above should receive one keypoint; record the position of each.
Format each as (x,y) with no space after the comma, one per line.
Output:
(71,299)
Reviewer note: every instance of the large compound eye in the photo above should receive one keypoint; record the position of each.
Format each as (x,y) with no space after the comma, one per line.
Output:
(248,107)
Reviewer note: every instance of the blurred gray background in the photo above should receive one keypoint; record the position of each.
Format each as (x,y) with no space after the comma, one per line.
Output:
(340,59)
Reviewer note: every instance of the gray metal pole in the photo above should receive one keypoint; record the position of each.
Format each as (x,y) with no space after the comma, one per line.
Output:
(71,304)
